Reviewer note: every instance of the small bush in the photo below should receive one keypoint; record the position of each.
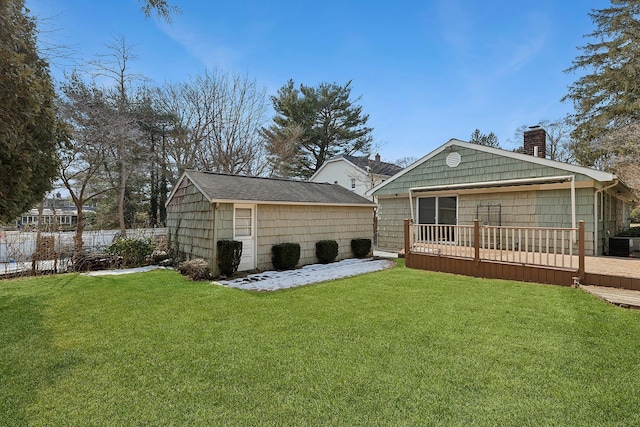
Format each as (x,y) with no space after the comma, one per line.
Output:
(195,269)
(285,255)
(326,251)
(361,247)
(229,254)
(132,252)
(629,232)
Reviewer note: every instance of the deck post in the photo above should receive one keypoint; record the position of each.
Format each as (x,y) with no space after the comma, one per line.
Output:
(407,239)
(581,249)
(476,241)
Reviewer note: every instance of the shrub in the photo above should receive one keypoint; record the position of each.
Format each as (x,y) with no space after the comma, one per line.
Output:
(635,215)
(630,232)
(132,252)
(195,269)
(285,255)
(326,251)
(361,247)
(229,254)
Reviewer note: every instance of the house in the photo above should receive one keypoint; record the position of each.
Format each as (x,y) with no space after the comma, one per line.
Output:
(206,207)
(60,211)
(358,174)
(459,182)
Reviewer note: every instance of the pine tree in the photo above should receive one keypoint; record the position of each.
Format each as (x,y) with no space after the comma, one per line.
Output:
(330,121)
(607,99)
(29,128)
(490,140)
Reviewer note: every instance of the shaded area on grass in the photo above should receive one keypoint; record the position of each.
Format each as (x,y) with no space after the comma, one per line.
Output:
(394,347)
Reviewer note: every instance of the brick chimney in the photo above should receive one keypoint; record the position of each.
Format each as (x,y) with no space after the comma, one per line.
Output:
(377,158)
(535,142)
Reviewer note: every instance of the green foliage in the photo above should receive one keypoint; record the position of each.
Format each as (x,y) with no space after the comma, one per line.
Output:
(605,97)
(195,269)
(490,140)
(162,8)
(330,122)
(133,252)
(630,232)
(635,215)
(30,131)
(361,247)
(229,254)
(326,251)
(285,255)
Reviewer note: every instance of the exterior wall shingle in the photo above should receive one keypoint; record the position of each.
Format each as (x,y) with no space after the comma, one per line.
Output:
(190,223)
(307,225)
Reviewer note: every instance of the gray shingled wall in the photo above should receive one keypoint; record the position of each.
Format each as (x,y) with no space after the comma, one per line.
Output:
(190,223)
(308,224)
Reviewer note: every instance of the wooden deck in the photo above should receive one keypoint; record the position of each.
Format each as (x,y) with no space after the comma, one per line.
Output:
(621,297)
(525,265)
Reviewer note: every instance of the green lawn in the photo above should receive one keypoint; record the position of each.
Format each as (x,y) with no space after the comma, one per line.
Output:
(397,347)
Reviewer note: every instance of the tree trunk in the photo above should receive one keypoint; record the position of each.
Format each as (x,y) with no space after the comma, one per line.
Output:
(77,239)
(123,190)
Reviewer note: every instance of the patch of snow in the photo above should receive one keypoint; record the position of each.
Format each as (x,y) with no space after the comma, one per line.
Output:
(274,280)
(123,271)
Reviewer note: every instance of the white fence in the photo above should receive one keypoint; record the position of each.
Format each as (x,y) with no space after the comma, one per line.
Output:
(553,247)
(17,248)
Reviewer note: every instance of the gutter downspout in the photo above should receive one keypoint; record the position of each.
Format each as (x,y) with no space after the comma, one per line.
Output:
(413,218)
(214,251)
(595,214)
(573,207)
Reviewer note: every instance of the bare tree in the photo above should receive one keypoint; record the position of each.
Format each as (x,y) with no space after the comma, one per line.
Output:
(219,121)
(558,139)
(403,162)
(115,66)
(94,130)
(282,147)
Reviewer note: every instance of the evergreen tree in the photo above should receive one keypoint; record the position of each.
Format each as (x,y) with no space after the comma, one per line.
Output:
(607,99)
(325,122)
(490,140)
(29,128)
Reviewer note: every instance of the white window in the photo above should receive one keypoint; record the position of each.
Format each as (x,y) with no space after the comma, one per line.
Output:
(353,183)
(243,222)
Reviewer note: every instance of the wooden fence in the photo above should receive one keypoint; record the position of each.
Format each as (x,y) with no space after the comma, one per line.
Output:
(543,255)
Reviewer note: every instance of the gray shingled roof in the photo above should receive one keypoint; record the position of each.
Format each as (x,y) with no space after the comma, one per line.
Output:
(222,187)
(379,168)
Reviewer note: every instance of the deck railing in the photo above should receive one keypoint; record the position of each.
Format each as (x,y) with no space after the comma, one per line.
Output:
(551,247)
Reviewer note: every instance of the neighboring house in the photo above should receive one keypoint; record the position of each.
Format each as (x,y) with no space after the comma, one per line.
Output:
(261,212)
(56,210)
(358,174)
(459,182)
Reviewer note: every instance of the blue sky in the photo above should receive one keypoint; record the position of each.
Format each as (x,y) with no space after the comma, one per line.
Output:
(426,71)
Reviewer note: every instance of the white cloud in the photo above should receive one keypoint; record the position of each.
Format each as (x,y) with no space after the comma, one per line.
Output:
(210,53)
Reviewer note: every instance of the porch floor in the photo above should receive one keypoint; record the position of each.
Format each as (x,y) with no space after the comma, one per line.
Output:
(612,266)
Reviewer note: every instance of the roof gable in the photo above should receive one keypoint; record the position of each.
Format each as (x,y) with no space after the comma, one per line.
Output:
(362,164)
(218,187)
(479,163)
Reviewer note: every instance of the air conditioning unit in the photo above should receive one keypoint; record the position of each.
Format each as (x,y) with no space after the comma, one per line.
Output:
(623,246)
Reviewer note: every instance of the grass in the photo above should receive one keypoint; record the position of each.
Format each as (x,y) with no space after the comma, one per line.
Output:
(397,347)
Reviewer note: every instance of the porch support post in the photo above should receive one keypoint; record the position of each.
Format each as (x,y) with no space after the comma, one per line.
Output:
(407,239)
(476,241)
(581,249)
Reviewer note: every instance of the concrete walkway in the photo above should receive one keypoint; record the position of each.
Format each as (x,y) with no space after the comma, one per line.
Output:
(621,297)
